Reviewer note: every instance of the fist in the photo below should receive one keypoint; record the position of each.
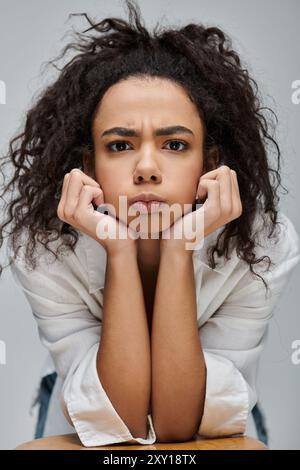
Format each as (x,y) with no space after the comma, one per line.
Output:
(218,191)
(76,207)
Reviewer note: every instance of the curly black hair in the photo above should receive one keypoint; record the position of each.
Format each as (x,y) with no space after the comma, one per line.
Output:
(58,127)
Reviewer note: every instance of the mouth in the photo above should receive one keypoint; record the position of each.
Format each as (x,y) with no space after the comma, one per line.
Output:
(147,202)
(148,206)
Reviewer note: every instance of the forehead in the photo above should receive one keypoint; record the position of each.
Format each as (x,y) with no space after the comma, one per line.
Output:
(155,100)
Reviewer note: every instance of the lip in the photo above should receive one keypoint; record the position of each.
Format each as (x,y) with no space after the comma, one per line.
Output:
(147,206)
(146,197)
(147,202)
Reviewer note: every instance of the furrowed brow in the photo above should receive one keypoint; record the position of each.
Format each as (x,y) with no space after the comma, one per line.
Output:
(128,132)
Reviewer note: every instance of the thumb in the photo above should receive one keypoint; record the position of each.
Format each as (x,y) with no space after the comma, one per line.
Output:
(98,196)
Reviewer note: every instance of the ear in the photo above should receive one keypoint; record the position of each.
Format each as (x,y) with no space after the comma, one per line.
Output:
(212,159)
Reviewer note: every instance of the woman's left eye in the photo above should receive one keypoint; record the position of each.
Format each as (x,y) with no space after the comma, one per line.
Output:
(176,145)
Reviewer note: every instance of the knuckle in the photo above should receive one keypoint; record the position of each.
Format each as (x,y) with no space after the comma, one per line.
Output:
(76,216)
(68,213)
(75,170)
(225,169)
(59,212)
(238,211)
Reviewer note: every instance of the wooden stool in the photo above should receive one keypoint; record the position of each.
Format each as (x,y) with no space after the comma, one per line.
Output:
(72,442)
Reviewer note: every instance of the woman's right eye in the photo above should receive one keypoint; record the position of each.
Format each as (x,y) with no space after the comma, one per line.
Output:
(119,144)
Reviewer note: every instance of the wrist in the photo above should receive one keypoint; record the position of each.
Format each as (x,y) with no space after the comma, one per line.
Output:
(175,250)
(122,252)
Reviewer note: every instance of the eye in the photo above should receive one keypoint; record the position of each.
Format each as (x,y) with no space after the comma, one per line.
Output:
(185,144)
(118,143)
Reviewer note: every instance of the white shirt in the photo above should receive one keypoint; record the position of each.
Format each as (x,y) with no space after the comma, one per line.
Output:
(66,298)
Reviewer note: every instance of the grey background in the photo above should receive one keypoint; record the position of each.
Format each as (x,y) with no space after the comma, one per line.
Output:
(266,33)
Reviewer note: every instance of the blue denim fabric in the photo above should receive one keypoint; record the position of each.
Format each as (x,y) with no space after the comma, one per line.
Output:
(47,384)
(260,424)
(43,398)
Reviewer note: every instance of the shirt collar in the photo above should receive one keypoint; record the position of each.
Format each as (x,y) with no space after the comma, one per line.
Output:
(96,260)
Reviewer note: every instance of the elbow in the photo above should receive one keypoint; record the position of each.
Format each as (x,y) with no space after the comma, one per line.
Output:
(183,432)
(173,435)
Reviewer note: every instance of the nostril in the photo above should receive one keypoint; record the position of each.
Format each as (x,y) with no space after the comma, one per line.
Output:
(152,178)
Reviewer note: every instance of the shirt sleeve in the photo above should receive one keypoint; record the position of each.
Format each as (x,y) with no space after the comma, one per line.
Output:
(72,335)
(234,336)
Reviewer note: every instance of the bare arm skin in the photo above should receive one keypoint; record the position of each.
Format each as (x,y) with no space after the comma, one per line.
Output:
(123,360)
(178,366)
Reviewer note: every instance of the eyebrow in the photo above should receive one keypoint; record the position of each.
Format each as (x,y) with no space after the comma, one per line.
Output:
(128,132)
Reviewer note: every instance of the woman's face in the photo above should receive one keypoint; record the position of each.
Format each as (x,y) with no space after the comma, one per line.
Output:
(168,164)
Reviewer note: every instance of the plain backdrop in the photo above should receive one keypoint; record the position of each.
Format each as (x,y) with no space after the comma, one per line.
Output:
(266,33)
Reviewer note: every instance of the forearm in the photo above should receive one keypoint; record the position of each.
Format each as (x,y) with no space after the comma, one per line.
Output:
(123,360)
(178,366)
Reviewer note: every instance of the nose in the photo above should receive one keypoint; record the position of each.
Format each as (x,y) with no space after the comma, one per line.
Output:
(147,170)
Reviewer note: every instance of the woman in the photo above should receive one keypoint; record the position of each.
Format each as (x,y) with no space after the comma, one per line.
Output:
(150,340)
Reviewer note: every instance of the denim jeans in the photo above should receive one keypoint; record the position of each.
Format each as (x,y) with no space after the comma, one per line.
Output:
(47,384)
(43,398)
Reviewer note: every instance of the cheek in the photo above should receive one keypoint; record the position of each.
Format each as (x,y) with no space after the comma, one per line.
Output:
(108,184)
(112,185)
(187,183)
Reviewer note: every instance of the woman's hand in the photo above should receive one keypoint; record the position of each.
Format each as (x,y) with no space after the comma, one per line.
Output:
(222,205)
(76,208)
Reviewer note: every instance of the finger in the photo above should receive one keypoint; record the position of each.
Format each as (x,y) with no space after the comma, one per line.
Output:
(236,200)
(211,188)
(235,183)
(224,178)
(76,181)
(203,221)
(223,175)
(85,178)
(213,173)
(88,194)
(64,190)
(61,204)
